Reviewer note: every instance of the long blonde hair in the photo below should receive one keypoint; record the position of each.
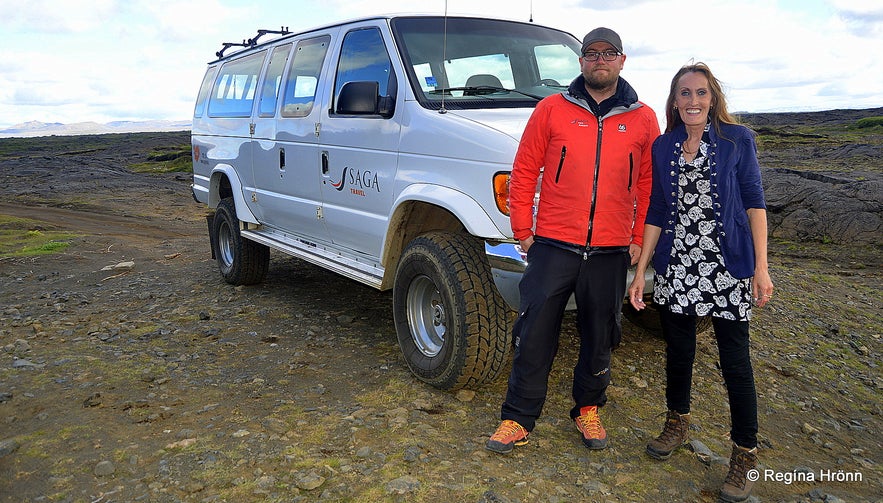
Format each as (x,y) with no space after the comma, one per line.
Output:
(718,112)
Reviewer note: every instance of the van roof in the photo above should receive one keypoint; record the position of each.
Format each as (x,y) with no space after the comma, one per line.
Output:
(284,33)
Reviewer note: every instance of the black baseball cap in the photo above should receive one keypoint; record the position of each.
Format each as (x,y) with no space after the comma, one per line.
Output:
(602,35)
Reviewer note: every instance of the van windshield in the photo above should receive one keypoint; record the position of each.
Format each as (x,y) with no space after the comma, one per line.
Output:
(483,63)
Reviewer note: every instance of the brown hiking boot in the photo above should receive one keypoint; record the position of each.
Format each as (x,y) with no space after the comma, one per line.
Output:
(673,435)
(737,485)
(508,435)
(589,424)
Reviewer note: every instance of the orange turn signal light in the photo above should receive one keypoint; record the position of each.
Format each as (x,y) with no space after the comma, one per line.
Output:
(501,191)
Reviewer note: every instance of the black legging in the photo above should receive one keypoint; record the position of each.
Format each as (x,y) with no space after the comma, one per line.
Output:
(735,360)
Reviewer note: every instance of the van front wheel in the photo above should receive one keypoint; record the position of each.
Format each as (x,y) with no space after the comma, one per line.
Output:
(450,321)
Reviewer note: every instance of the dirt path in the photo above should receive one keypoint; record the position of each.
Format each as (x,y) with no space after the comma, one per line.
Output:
(98,224)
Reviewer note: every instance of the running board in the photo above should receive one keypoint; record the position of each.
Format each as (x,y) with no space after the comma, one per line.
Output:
(318,255)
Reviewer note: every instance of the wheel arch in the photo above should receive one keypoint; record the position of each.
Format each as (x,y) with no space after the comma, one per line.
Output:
(224,183)
(423,208)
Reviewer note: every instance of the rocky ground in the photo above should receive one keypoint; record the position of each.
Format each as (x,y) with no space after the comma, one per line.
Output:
(129,371)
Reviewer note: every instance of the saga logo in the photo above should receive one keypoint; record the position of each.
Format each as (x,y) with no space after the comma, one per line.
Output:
(357,180)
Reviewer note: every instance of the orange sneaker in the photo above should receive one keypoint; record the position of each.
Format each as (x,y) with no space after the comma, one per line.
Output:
(507,436)
(589,424)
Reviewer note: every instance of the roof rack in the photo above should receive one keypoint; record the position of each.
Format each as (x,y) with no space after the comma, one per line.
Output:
(283,30)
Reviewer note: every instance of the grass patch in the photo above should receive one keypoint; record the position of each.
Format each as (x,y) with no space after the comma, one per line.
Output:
(20,237)
(172,159)
(868,122)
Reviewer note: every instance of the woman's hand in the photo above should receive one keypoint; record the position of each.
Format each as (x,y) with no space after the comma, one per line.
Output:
(636,293)
(644,252)
(762,287)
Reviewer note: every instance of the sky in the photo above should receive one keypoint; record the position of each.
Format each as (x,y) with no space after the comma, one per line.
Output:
(75,61)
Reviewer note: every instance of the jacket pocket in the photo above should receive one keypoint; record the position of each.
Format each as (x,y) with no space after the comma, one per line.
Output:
(561,163)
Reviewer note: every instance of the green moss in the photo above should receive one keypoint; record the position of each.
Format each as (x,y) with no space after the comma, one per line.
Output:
(21,237)
(44,249)
(868,122)
(173,159)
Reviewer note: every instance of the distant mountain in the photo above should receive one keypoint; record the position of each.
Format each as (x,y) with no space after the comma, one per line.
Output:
(36,128)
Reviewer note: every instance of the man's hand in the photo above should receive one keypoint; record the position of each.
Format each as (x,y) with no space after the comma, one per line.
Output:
(526,243)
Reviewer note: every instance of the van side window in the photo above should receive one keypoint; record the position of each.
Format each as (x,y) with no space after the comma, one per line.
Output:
(363,57)
(234,92)
(204,90)
(272,81)
(303,77)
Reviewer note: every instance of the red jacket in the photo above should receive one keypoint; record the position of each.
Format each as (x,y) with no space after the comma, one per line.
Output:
(594,192)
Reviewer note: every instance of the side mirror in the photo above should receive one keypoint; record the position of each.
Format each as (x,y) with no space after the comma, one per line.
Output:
(359,98)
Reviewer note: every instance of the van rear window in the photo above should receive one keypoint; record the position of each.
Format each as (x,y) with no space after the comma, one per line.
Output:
(234,91)
(204,89)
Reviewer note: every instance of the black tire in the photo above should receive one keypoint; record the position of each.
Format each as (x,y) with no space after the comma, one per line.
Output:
(648,319)
(241,261)
(452,325)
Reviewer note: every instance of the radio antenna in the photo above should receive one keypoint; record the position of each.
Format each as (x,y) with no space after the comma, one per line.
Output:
(444,56)
(531,11)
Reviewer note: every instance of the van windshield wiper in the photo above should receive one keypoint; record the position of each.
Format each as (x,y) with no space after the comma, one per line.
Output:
(481,90)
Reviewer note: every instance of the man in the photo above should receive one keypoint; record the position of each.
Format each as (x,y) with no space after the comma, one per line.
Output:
(592,145)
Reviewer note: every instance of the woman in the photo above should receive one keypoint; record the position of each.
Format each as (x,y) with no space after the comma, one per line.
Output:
(706,230)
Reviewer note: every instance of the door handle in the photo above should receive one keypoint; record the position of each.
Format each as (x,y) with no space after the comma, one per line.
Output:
(324,162)
(281,158)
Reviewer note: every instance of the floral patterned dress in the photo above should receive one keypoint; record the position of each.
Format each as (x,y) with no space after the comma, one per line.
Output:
(696,281)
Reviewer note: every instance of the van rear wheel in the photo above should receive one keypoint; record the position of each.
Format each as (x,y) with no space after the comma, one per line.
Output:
(450,321)
(241,261)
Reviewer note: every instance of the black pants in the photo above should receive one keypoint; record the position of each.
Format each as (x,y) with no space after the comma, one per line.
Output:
(552,275)
(735,360)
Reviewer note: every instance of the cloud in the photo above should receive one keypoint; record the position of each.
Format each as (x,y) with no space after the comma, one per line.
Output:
(111,59)
(611,5)
(50,94)
(862,18)
(48,16)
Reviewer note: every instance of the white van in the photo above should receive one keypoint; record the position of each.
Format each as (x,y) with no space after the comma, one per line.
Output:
(380,149)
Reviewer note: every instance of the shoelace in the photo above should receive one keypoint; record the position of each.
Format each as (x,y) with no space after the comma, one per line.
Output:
(738,469)
(506,430)
(670,431)
(590,423)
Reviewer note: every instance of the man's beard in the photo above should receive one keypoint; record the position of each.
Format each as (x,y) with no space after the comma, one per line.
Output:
(601,84)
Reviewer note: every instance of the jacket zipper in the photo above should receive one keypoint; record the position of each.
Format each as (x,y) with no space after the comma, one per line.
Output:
(561,163)
(631,169)
(594,187)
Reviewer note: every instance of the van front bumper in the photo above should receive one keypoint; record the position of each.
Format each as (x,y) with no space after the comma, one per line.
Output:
(508,262)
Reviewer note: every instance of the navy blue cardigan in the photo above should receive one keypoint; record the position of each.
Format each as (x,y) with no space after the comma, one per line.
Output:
(735,184)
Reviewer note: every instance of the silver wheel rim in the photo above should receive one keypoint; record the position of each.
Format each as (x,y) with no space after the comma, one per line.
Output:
(426,316)
(225,244)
